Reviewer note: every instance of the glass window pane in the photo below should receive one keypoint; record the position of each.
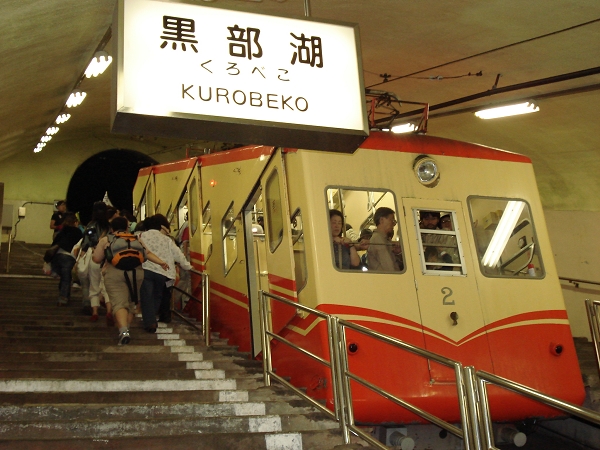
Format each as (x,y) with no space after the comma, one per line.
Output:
(230,224)
(357,242)
(505,238)
(439,241)
(195,207)
(299,251)
(206,232)
(273,211)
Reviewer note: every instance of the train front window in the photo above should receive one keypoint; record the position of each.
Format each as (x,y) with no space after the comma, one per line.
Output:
(439,243)
(364,230)
(505,238)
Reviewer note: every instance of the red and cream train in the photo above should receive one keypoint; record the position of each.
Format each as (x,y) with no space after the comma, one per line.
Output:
(499,307)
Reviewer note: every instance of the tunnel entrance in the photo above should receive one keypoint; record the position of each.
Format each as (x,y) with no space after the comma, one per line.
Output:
(113,171)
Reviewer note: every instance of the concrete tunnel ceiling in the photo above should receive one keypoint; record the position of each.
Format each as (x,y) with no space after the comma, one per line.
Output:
(425,50)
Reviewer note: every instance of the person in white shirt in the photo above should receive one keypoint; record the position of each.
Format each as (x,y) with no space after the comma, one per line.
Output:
(156,288)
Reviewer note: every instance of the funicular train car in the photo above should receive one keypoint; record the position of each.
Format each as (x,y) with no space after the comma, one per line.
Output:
(482,290)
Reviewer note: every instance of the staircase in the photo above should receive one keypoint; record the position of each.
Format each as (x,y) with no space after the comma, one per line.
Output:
(66,384)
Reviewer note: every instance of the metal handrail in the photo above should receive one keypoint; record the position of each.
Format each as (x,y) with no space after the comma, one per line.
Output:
(476,422)
(466,433)
(576,282)
(205,302)
(266,333)
(481,378)
(594,320)
(341,375)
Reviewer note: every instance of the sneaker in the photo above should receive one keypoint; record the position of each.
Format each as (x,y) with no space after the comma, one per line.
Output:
(76,286)
(110,320)
(63,301)
(124,338)
(94,318)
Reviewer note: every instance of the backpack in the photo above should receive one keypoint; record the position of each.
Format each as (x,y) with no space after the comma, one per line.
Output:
(124,251)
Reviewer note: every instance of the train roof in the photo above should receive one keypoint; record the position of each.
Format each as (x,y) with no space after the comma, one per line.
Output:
(431,145)
(384,141)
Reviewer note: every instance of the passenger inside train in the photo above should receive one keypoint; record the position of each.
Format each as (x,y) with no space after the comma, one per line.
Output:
(383,252)
(344,252)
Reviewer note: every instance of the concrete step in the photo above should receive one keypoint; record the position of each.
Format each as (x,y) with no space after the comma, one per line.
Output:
(152,426)
(64,383)
(313,440)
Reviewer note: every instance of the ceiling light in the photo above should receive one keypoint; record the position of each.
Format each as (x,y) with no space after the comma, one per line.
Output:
(98,64)
(507,223)
(509,110)
(75,98)
(45,138)
(62,118)
(38,148)
(404,128)
(52,131)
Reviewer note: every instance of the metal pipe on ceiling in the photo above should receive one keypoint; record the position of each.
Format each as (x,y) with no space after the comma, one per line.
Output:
(497,90)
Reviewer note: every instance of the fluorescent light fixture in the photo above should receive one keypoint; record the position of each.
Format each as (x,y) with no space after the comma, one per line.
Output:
(507,223)
(404,128)
(509,110)
(38,148)
(98,64)
(62,118)
(52,131)
(45,138)
(75,98)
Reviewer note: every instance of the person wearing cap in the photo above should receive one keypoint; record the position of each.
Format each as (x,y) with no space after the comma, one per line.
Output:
(56,222)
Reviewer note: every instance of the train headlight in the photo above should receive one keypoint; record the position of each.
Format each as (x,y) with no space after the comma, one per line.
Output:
(426,170)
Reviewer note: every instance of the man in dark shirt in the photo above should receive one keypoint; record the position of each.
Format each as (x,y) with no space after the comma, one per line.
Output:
(58,217)
(63,260)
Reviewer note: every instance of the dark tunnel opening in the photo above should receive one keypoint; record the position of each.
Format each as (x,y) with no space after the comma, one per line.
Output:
(113,171)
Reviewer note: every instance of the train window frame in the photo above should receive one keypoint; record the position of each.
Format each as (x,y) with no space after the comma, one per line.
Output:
(207,235)
(299,250)
(525,218)
(274,216)
(229,238)
(373,200)
(443,267)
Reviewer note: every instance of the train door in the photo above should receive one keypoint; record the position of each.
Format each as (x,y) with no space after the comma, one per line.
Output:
(257,265)
(451,313)
(278,264)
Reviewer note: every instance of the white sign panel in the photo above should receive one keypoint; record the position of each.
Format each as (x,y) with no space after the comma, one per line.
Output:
(218,74)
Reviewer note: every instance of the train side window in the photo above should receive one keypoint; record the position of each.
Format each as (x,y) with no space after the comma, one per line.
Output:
(229,226)
(206,232)
(439,243)
(194,207)
(358,208)
(299,250)
(505,238)
(273,211)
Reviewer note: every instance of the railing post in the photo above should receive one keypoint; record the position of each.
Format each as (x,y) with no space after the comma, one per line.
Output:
(266,346)
(473,408)
(592,312)
(206,308)
(337,376)
(345,382)
(484,413)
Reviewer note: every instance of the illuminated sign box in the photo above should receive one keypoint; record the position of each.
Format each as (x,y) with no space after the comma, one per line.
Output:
(206,73)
